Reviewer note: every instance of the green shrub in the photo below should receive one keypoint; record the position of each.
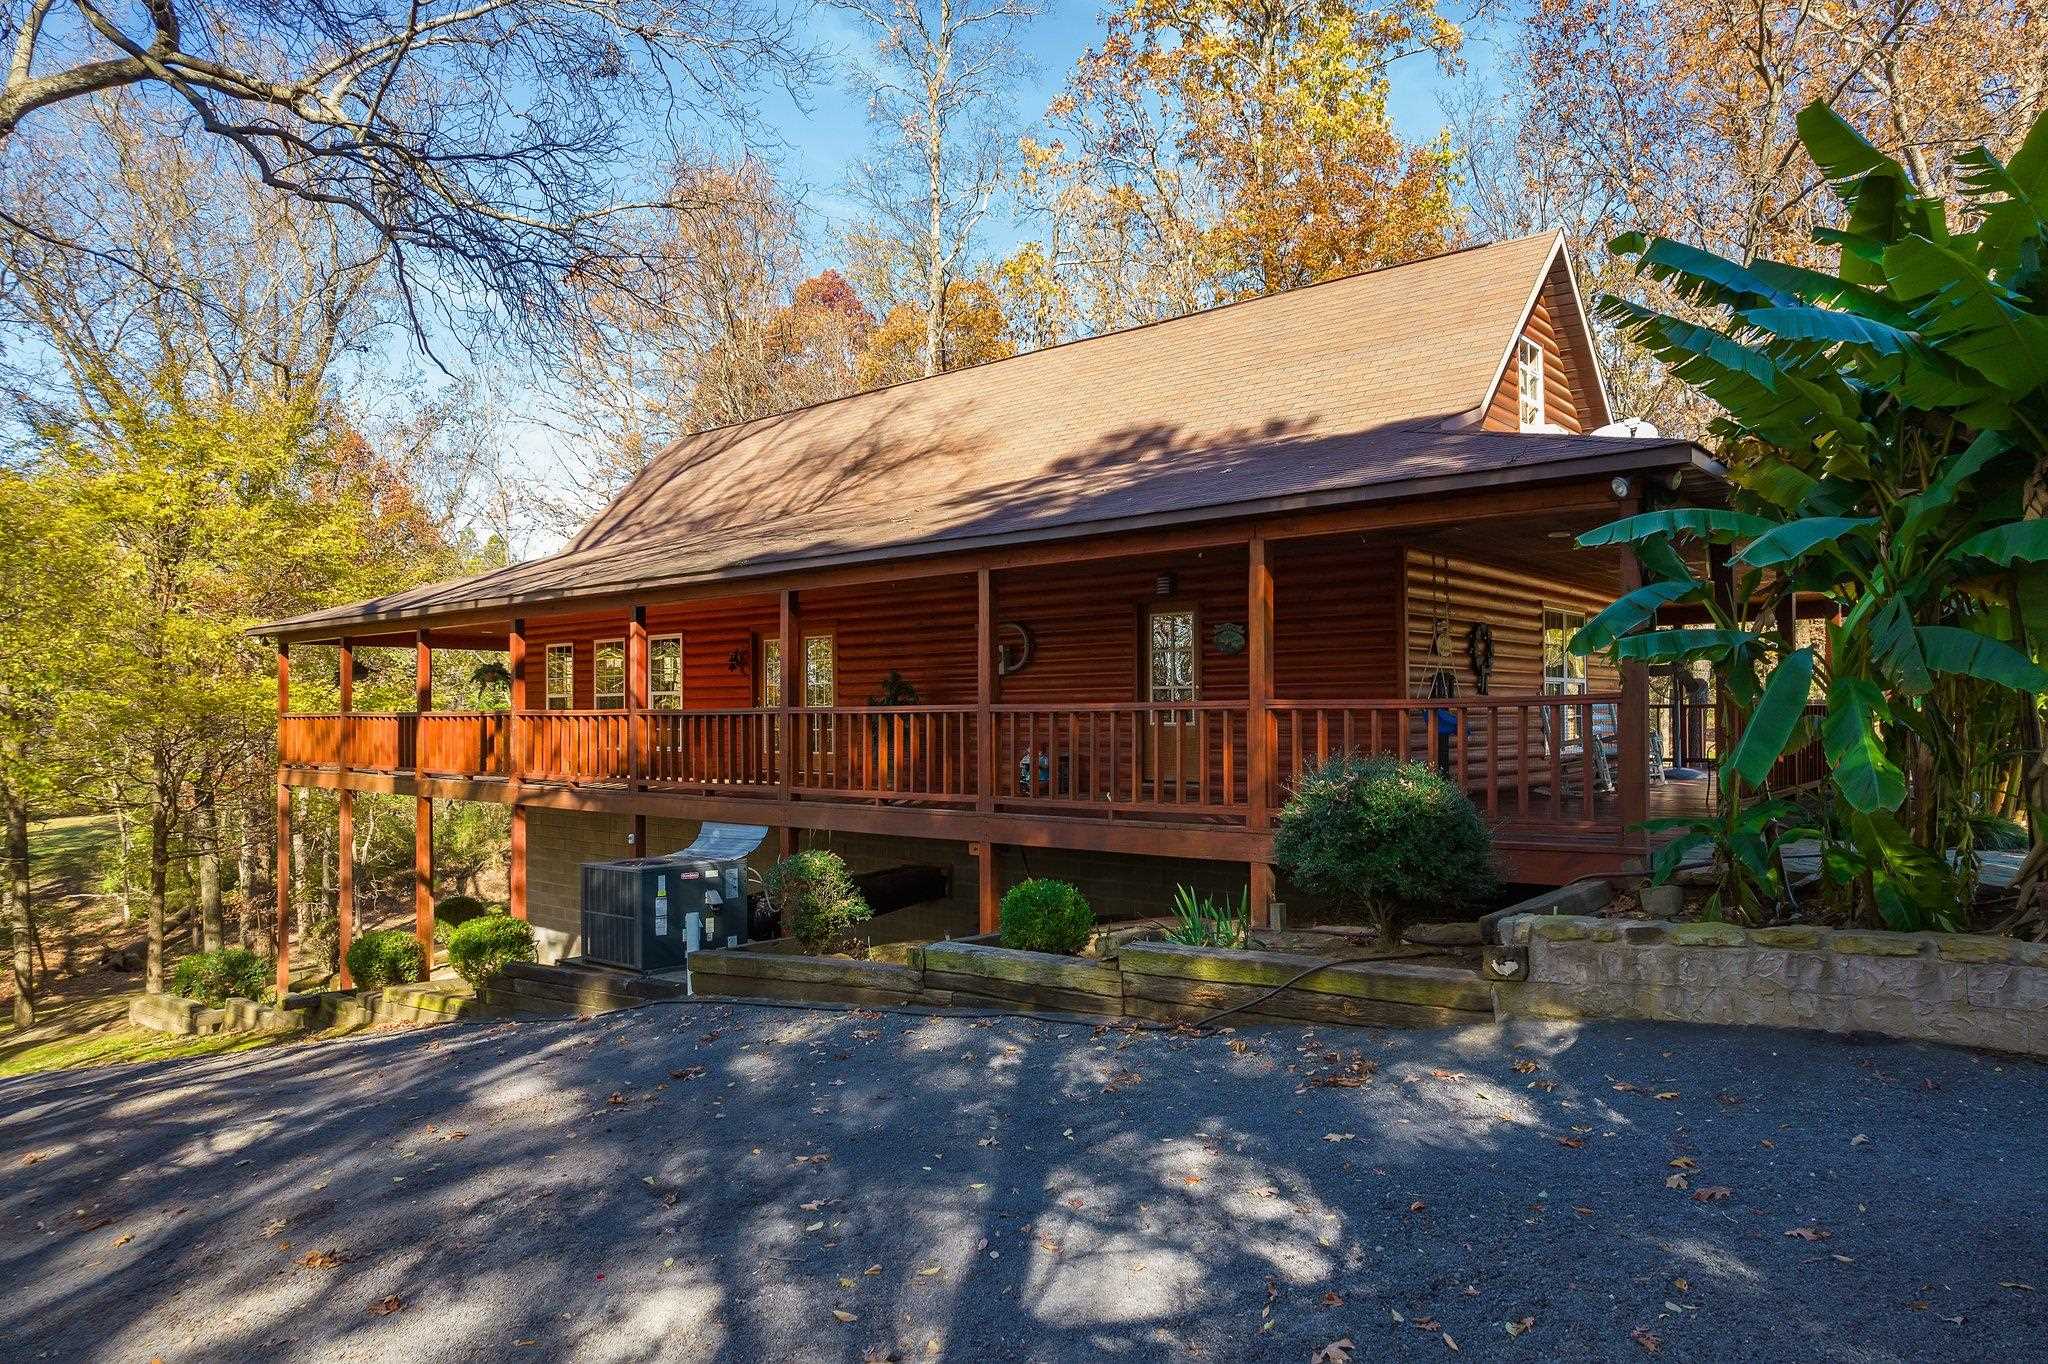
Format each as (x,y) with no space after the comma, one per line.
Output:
(482,947)
(321,946)
(390,957)
(1203,922)
(1042,915)
(213,977)
(1384,838)
(815,897)
(457,910)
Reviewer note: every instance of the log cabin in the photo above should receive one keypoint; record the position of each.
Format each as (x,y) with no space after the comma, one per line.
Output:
(1081,612)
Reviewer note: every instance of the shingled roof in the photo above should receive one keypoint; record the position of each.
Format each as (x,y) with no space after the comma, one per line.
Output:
(1367,386)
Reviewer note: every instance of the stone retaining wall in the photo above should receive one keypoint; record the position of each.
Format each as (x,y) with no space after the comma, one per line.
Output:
(1935,987)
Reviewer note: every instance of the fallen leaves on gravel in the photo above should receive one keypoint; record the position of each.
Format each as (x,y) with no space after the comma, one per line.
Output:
(1711,1193)
(1810,1233)
(1520,1325)
(385,1306)
(1649,1341)
(1336,1352)
(324,1259)
(687,1073)
(844,1315)
(1574,1143)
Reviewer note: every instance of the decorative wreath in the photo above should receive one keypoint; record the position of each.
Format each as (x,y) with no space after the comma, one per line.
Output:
(1229,637)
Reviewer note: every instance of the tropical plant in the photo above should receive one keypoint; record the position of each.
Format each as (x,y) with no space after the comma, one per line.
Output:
(815,897)
(1385,838)
(388,957)
(1200,921)
(215,977)
(487,944)
(1043,915)
(1886,430)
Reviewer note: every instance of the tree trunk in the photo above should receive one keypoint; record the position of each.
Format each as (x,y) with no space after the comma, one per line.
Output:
(20,910)
(159,882)
(207,830)
(245,874)
(299,863)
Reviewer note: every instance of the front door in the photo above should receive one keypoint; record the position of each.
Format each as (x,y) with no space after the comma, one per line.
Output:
(1170,752)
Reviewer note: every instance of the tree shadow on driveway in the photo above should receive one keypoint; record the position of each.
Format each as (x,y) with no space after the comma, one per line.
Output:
(736,1182)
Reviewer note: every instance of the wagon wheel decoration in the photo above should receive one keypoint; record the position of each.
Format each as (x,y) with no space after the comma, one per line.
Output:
(1013,648)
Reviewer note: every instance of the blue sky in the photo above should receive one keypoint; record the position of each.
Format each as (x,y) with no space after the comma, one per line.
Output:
(823,142)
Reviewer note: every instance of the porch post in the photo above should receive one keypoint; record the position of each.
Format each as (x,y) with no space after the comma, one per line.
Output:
(345,880)
(423,819)
(515,750)
(984,691)
(515,764)
(345,829)
(790,674)
(1258,720)
(515,876)
(283,934)
(988,895)
(1632,791)
(636,707)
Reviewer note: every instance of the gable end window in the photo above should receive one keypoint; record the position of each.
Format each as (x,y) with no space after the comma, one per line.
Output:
(561,676)
(1529,382)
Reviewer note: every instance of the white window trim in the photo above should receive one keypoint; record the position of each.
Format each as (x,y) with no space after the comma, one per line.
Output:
(653,697)
(568,700)
(1529,384)
(598,698)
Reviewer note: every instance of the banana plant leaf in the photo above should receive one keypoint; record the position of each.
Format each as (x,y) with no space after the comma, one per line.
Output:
(1825,327)
(1923,507)
(1700,276)
(1631,610)
(1784,486)
(1782,544)
(1969,654)
(1859,767)
(1895,647)
(2014,542)
(1969,317)
(1771,725)
(1676,646)
(1707,523)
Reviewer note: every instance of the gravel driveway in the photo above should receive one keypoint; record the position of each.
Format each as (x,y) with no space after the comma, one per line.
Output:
(732,1182)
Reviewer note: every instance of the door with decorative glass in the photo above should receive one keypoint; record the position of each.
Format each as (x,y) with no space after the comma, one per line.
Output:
(1169,753)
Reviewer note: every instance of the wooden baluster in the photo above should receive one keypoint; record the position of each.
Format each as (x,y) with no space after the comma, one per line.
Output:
(1522,760)
(1493,763)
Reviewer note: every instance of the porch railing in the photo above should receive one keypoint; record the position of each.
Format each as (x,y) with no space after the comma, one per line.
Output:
(925,753)
(1159,758)
(1550,761)
(1554,760)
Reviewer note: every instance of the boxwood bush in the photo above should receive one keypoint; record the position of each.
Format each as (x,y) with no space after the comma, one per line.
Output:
(1042,915)
(481,948)
(815,897)
(213,977)
(457,910)
(1385,838)
(388,957)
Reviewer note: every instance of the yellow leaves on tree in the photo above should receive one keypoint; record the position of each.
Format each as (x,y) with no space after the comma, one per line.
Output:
(1210,150)
(974,331)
